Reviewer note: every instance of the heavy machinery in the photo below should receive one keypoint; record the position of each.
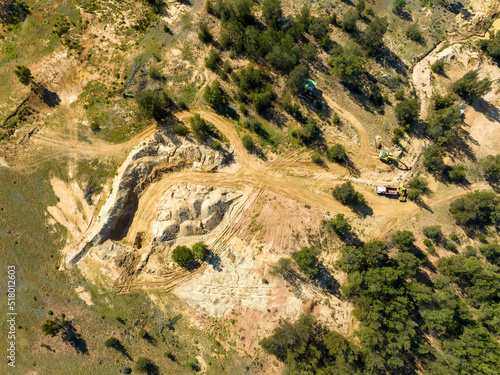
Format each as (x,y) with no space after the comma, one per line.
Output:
(388,157)
(399,192)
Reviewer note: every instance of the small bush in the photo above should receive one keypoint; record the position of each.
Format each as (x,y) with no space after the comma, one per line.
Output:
(216,145)
(204,34)
(346,195)
(316,158)
(427,242)
(336,153)
(340,225)
(112,342)
(145,365)
(143,334)
(450,245)
(264,281)
(433,232)
(431,249)
(336,119)
(94,126)
(438,67)
(200,250)
(491,166)
(183,256)
(400,95)
(413,32)
(212,59)
(248,142)
(180,129)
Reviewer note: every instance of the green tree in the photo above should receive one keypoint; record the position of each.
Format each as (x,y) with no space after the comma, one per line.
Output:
(183,256)
(204,33)
(348,63)
(307,261)
(272,12)
(470,87)
(491,252)
(153,104)
(413,32)
(407,112)
(360,6)
(340,225)
(51,327)
(432,232)
(199,127)
(112,342)
(455,172)
(403,240)
(361,258)
(417,187)
(297,79)
(399,5)
(145,365)
(200,250)
(304,17)
(433,158)
(23,74)
(372,37)
(438,67)
(309,51)
(247,142)
(214,95)
(336,153)
(346,195)
(212,59)
(318,27)
(491,166)
(476,209)
(349,20)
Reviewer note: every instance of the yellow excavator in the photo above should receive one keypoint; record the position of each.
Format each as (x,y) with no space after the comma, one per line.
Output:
(388,157)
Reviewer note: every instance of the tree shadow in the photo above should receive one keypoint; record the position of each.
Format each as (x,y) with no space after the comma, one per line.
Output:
(388,59)
(351,239)
(169,323)
(491,112)
(403,14)
(50,98)
(122,350)
(362,210)
(326,281)
(73,338)
(215,261)
(351,168)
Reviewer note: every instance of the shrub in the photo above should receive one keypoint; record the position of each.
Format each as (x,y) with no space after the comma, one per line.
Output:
(336,119)
(316,158)
(112,342)
(180,129)
(145,365)
(417,187)
(348,63)
(455,172)
(297,79)
(413,32)
(200,250)
(403,240)
(264,281)
(491,252)
(399,5)
(307,261)
(450,245)
(438,67)
(212,59)
(346,195)
(431,249)
(400,95)
(372,37)
(143,334)
(318,27)
(433,232)
(281,268)
(214,95)
(23,74)
(340,225)
(216,145)
(427,242)
(407,112)
(183,256)
(247,142)
(199,127)
(433,158)
(227,67)
(349,20)
(336,153)
(94,126)
(204,34)
(153,104)
(476,209)
(491,166)
(470,87)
